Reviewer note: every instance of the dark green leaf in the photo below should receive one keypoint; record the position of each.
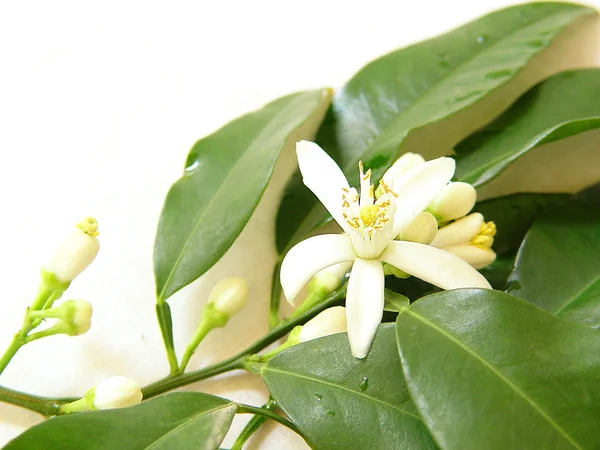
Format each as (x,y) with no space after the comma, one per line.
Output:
(558,266)
(395,302)
(498,272)
(418,98)
(340,402)
(186,420)
(514,214)
(564,105)
(225,176)
(491,371)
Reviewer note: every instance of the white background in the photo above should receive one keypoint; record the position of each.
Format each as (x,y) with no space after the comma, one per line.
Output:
(99,104)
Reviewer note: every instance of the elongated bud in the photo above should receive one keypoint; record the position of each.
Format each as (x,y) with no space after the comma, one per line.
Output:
(115,392)
(75,253)
(74,318)
(328,280)
(455,201)
(330,321)
(421,229)
(469,238)
(229,295)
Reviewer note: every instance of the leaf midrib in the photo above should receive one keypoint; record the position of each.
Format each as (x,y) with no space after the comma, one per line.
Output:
(578,294)
(427,91)
(496,372)
(187,421)
(214,198)
(342,388)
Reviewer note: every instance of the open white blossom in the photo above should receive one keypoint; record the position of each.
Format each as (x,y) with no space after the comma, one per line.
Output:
(370,225)
(470,238)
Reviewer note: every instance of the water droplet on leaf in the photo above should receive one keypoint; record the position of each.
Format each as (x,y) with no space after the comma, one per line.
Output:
(481,39)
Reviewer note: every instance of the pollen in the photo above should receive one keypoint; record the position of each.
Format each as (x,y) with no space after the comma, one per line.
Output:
(89,226)
(369,215)
(485,238)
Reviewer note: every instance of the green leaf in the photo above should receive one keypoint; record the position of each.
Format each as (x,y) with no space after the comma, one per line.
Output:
(514,214)
(490,371)
(498,272)
(558,266)
(185,420)
(225,176)
(394,302)
(427,97)
(340,402)
(556,108)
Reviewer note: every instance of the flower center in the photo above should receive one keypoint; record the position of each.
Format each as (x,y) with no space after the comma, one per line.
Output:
(369,215)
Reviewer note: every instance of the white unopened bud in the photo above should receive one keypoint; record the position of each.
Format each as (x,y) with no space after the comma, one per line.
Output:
(76,253)
(115,392)
(421,229)
(330,321)
(229,295)
(77,315)
(455,201)
(469,238)
(328,280)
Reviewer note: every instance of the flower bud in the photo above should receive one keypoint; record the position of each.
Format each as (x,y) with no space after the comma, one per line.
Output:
(115,392)
(229,295)
(76,253)
(421,229)
(77,315)
(469,238)
(330,321)
(328,280)
(455,201)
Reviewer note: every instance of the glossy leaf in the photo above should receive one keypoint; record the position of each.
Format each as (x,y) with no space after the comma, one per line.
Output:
(394,302)
(558,266)
(186,420)
(427,97)
(225,176)
(514,214)
(340,402)
(564,105)
(491,371)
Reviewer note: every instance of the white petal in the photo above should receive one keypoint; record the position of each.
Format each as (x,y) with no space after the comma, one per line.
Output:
(392,177)
(364,304)
(438,267)
(323,177)
(311,255)
(422,185)
(455,200)
(459,232)
(476,256)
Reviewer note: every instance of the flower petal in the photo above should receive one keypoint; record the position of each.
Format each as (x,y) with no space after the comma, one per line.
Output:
(324,178)
(311,255)
(477,256)
(364,304)
(422,185)
(393,176)
(459,232)
(438,267)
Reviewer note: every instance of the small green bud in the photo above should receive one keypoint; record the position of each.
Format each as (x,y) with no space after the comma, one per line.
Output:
(328,280)
(77,315)
(229,295)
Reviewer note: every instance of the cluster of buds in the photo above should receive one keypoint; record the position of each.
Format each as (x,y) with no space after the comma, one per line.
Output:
(447,224)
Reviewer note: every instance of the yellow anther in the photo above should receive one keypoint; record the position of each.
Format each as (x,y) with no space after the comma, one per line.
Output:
(371,191)
(369,215)
(488,229)
(89,226)
(483,241)
(361,168)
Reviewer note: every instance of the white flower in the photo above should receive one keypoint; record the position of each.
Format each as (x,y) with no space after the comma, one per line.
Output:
(75,253)
(370,226)
(115,392)
(470,238)
(330,321)
(229,295)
